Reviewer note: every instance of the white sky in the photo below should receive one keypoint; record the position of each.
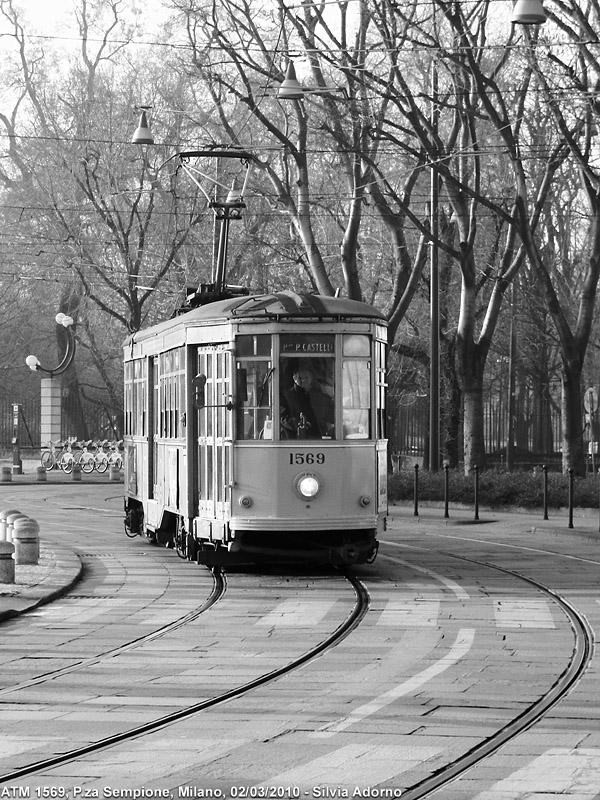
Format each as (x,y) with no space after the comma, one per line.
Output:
(57,17)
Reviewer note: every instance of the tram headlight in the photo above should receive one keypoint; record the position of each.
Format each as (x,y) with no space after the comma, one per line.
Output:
(307,485)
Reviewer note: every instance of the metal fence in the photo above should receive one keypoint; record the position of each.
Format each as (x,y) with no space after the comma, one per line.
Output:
(29,422)
(100,423)
(408,429)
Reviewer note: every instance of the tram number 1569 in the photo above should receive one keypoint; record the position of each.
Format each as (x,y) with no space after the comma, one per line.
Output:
(307,458)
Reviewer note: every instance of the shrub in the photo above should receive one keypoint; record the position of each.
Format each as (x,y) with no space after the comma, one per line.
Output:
(496,489)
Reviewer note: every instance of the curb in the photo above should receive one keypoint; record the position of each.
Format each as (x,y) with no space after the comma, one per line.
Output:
(58,570)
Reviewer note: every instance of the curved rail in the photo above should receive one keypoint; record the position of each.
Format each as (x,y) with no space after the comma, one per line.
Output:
(361,606)
(218,590)
(578,663)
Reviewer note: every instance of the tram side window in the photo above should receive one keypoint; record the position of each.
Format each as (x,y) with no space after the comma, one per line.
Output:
(254,387)
(171,394)
(356,391)
(380,363)
(135,398)
(307,391)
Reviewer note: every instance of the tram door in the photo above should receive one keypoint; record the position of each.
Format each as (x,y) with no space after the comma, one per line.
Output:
(215,429)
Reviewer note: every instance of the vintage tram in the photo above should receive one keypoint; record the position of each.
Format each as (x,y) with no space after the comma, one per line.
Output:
(254,428)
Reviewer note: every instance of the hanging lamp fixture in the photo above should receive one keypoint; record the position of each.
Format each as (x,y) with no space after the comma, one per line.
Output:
(143,134)
(528,12)
(291,88)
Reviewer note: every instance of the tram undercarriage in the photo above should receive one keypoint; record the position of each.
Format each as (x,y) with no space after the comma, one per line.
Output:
(339,548)
(336,547)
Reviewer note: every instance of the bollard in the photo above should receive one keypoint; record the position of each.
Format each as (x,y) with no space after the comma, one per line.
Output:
(115,474)
(571,495)
(6,475)
(10,524)
(416,491)
(545,489)
(3,523)
(76,474)
(446,490)
(40,474)
(26,538)
(476,491)
(7,562)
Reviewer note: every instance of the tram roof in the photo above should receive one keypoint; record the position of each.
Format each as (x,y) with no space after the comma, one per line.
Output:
(280,305)
(287,304)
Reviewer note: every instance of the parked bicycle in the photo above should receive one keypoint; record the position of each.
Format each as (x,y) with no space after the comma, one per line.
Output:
(115,456)
(89,455)
(59,455)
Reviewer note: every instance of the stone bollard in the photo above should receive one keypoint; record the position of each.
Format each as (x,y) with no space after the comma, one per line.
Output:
(40,474)
(26,538)
(76,474)
(10,524)
(6,475)
(7,562)
(3,522)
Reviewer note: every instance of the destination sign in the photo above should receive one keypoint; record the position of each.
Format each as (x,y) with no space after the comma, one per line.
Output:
(307,344)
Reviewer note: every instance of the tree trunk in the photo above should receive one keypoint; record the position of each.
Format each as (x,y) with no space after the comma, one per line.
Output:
(572,427)
(474,442)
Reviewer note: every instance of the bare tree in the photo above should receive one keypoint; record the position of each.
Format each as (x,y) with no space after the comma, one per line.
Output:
(110,227)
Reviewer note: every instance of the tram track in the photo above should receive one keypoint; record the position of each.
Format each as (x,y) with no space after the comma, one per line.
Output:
(218,591)
(350,623)
(577,664)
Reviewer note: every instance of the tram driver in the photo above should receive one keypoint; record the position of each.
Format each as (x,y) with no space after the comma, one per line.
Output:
(307,412)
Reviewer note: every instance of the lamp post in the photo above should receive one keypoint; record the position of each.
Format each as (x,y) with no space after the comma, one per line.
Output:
(33,362)
(434,296)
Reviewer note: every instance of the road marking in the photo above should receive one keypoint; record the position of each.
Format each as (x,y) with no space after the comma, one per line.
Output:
(460,648)
(454,587)
(291,613)
(571,773)
(354,766)
(524,612)
(410,613)
(78,611)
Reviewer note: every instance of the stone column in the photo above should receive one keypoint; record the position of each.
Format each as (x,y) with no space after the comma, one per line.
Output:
(51,416)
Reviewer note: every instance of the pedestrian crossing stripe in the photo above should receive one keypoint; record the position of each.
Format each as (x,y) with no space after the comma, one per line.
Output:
(351,770)
(410,613)
(523,613)
(293,613)
(569,773)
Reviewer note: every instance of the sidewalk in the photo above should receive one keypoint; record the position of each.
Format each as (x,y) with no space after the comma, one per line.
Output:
(430,518)
(30,475)
(58,569)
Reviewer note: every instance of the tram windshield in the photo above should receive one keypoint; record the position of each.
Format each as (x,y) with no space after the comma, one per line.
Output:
(317,387)
(306,398)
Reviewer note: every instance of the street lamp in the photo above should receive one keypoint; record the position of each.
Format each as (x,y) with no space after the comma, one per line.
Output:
(34,363)
(292,89)
(528,12)
(143,134)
